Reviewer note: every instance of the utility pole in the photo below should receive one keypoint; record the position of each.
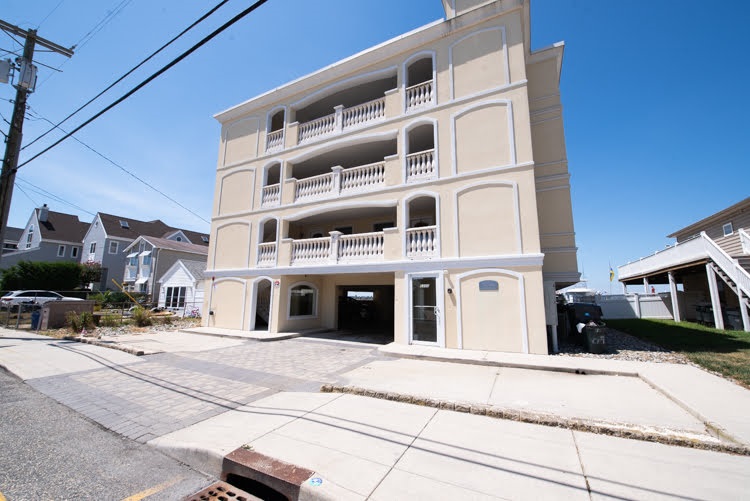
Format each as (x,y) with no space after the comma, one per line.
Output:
(24,85)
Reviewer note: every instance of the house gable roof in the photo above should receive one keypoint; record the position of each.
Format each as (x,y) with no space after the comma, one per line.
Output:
(134,229)
(163,243)
(740,206)
(61,227)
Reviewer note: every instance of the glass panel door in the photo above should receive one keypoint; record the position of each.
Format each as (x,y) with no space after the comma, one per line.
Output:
(424,309)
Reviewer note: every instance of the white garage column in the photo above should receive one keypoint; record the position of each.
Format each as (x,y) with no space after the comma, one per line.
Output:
(675,301)
(715,303)
(645,285)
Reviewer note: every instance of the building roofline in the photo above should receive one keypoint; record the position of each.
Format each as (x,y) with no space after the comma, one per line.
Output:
(739,206)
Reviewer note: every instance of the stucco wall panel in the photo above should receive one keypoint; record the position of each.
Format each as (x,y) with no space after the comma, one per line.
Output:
(483,138)
(228,304)
(555,211)
(233,242)
(492,320)
(236,191)
(241,140)
(479,62)
(487,221)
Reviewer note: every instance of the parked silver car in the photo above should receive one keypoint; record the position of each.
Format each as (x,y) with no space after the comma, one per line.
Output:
(15,298)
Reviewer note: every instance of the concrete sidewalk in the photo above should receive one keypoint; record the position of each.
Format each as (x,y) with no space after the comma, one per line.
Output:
(202,397)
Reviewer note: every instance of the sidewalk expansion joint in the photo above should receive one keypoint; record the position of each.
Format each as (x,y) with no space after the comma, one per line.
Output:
(622,430)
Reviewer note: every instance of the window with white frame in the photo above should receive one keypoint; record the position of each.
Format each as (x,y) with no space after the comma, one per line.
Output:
(147,260)
(133,260)
(302,301)
(29,236)
(114,247)
(727,228)
(60,251)
(175,297)
(74,252)
(92,248)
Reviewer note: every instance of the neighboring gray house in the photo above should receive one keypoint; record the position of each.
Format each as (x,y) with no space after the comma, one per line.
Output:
(109,235)
(181,286)
(12,235)
(149,258)
(48,236)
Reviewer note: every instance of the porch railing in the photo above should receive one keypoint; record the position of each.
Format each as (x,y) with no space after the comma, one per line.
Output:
(363,177)
(422,242)
(420,95)
(311,250)
(275,140)
(314,187)
(362,246)
(271,195)
(420,165)
(341,120)
(744,240)
(267,254)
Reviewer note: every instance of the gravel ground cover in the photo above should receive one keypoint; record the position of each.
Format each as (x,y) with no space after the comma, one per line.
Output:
(621,346)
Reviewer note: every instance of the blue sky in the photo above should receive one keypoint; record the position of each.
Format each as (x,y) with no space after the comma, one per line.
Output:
(653,104)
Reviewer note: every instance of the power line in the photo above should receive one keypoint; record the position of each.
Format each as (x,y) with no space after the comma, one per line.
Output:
(201,19)
(50,13)
(36,204)
(44,192)
(146,183)
(152,77)
(102,23)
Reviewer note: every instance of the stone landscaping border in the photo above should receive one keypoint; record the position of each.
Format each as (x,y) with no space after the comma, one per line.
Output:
(644,433)
(96,342)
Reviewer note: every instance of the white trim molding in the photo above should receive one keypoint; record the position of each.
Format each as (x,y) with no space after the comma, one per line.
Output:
(483,104)
(484,184)
(405,74)
(228,127)
(439,299)
(406,219)
(521,301)
(504,49)
(251,188)
(426,120)
(254,302)
(215,240)
(241,281)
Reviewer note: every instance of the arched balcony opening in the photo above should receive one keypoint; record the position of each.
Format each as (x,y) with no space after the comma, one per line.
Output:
(344,109)
(267,243)
(357,168)
(275,130)
(422,235)
(420,153)
(354,234)
(271,195)
(420,83)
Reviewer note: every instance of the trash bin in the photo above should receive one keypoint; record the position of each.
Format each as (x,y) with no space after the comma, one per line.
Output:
(596,337)
(35,319)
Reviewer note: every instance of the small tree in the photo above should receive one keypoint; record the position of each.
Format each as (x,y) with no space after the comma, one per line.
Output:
(91,272)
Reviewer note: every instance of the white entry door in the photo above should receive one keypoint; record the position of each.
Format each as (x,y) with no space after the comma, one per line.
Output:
(426,324)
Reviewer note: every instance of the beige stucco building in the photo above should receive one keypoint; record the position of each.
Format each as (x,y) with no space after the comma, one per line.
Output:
(419,187)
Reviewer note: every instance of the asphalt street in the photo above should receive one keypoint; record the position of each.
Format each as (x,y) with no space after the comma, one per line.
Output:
(48,451)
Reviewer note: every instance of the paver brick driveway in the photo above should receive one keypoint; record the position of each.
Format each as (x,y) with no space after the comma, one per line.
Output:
(168,391)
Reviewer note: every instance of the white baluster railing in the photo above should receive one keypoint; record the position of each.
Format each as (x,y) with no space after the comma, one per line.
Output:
(311,250)
(420,95)
(312,187)
(275,140)
(271,195)
(363,177)
(315,128)
(363,113)
(422,242)
(420,165)
(361,247)
(744,240)
(731,267)
(267,254)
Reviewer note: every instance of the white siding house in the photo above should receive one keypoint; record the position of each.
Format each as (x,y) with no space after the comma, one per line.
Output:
(181,287)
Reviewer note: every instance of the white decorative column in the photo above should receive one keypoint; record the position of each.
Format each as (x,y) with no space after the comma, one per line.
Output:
(713,288)
(337,179)
(637,305)
(675,302)
(645,286)
(339,124)
(333,257)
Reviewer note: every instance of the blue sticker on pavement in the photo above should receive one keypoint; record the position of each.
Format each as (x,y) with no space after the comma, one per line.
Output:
(316,481)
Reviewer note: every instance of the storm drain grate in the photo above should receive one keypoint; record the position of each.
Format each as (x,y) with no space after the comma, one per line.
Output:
(222,491)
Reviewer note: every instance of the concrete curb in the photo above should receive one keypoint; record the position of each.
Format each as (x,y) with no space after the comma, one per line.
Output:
(648,434)
(114,346)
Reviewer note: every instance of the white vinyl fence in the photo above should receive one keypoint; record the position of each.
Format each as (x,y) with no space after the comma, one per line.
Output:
(639,305)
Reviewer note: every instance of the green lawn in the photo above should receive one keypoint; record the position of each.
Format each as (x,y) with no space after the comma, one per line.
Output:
(725,352)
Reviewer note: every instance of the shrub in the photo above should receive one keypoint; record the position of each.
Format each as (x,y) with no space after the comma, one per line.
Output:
(141,316)
(78,321)
(109,321)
